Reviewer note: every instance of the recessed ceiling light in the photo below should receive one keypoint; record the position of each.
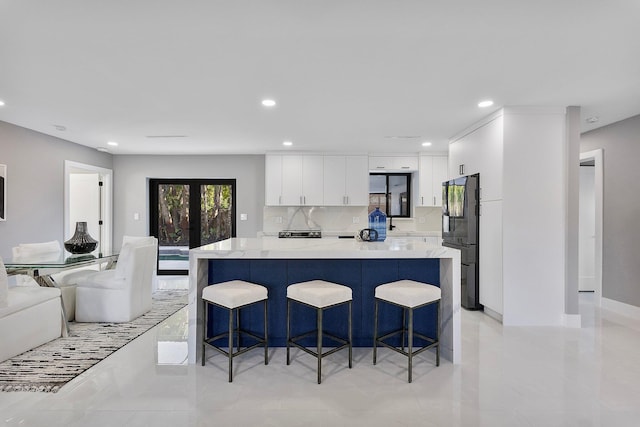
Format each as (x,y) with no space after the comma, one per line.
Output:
(486,103)
(287,143)
(592,119)
(112,143)
(102,149)
(268,102)
(426,144)
(60,128)
(1,103)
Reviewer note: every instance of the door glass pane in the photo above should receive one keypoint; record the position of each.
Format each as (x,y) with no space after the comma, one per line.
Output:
(215,213)
(173,226)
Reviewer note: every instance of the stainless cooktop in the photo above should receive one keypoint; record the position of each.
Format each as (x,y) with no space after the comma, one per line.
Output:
(300,234)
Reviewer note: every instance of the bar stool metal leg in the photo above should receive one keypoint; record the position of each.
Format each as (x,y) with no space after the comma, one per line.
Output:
(238,327)
(350,337)
(205,310)
(438,333)
(319,344)
(266,336)
(404,327)
(410,343)
(375,331)
(230,345)
(288,329)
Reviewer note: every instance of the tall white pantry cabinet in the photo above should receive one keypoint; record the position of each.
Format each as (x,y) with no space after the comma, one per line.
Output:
(520,154)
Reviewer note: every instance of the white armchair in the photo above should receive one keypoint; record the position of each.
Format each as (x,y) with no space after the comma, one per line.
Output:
(29,316)
(124,293)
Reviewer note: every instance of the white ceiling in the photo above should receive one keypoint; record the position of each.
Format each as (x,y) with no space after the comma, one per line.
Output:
(346,75)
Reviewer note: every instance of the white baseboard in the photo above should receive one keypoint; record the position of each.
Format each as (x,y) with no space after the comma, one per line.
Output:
(493,314)
(621,308)
(572,320)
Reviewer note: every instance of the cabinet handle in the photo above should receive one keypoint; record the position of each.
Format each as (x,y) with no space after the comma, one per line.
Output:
(347,197)
(280,199)
(434,200)
(379,167)
(422,200)
(405,167)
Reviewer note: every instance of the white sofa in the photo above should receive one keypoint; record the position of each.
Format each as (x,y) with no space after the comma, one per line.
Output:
(29,316)
(124,293)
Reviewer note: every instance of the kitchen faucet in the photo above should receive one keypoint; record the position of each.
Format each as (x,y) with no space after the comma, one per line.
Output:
(391,226)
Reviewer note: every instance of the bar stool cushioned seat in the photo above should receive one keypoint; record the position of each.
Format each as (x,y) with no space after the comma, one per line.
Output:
(234,295)
(320,295)
(409,295)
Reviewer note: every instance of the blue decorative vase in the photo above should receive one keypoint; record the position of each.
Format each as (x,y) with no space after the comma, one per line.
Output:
(81,242)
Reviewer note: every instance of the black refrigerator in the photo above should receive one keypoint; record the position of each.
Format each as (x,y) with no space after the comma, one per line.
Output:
(461,230)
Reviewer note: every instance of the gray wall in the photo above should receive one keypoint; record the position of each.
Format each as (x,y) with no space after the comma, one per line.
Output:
(35,184)
(621,229)
(131,175)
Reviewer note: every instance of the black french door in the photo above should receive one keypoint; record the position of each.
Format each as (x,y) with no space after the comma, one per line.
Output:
(188,213)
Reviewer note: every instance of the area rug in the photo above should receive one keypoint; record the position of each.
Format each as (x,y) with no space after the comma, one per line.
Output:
(50,366)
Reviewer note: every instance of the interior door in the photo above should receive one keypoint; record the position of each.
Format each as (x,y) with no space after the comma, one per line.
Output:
(189,213)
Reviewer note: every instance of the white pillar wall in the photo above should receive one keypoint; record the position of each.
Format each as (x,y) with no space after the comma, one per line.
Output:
(534,211)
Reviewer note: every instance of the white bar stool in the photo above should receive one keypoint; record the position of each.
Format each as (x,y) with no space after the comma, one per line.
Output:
(233,296)
(409,295)
(320,295)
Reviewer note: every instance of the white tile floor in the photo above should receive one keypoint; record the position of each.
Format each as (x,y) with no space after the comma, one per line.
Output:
(509,377)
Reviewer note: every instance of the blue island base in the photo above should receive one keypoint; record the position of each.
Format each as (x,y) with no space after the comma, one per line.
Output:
(361,275)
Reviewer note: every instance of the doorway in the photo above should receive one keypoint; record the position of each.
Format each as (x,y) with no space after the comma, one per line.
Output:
(590,228)
(88,198)
(189,213)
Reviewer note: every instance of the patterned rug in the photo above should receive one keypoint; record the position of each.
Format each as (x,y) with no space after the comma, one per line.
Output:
(50,366)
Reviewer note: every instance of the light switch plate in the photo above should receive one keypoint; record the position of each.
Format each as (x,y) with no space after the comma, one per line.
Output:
(243,217)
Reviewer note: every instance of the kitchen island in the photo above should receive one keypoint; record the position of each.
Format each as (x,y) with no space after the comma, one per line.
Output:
(276,263)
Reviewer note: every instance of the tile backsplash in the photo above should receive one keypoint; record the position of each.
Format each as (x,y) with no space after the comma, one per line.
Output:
(342,219)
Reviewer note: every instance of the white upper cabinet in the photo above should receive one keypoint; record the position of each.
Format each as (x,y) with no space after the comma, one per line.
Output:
(346,181)
(433,171)
(312,180)
(481,152)
(393,163)
(273,180)
(293,180)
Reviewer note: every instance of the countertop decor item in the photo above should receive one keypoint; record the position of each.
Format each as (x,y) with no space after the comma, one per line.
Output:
(81,242)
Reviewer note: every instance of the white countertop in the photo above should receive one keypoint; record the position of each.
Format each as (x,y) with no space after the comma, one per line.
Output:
(392,247)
